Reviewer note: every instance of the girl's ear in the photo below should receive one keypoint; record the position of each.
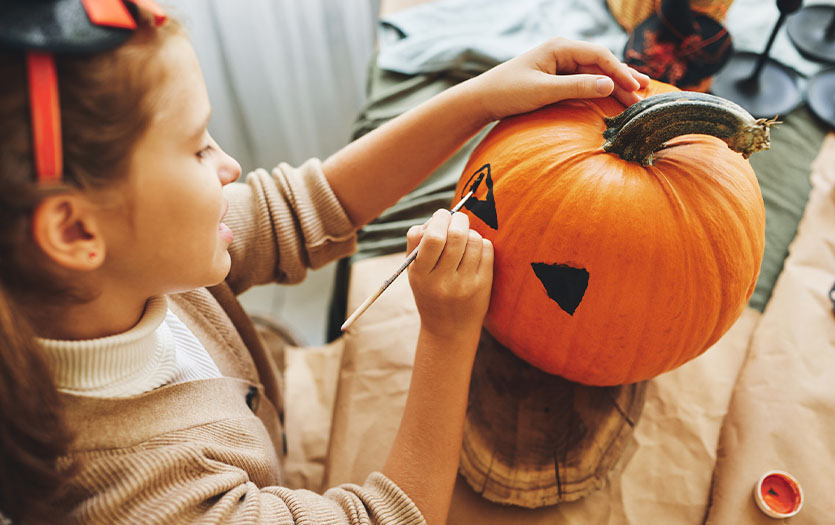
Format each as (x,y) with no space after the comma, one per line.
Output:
(65,227)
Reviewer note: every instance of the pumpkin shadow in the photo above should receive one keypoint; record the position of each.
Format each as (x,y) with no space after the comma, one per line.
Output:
(533,439)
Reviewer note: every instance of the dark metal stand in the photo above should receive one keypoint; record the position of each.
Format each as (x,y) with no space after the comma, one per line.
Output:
(821,95)
(812,31)
(758,83)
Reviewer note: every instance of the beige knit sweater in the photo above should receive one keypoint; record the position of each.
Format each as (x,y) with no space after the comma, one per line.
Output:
(210,450)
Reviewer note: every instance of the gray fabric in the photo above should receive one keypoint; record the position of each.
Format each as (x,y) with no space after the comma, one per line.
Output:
(783,173)
(474,35)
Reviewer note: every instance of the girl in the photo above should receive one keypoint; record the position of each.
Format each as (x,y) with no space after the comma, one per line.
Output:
(131,392)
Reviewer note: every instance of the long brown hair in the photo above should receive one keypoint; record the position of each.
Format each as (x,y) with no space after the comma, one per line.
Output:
(106,102)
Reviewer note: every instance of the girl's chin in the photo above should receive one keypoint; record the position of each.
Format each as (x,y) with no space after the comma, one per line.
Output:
(221,269)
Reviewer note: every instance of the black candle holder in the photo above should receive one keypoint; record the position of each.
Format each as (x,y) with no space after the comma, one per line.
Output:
(820,95)
(756,81)
(812,31)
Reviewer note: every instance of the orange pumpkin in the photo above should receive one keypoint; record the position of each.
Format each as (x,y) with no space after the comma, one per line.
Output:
(608,271)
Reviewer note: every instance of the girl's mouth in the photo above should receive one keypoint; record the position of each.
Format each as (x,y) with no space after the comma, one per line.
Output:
(225,232)
(222,229)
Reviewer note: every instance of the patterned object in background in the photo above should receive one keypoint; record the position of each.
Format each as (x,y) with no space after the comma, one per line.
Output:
(679,45)
(630,13)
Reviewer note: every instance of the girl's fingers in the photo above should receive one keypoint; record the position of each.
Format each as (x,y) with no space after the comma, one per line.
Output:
(432,243)
(472,254)
(581,86)
(626,96)
(413,237)
(456,243)
(485,263)
(643,80)
(586,54)
(415,234)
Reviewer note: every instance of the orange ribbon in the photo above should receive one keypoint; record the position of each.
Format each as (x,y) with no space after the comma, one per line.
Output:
(113,13)
(46,122)
(43,86)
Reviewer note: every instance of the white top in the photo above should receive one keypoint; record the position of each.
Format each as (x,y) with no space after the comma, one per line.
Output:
(160,350)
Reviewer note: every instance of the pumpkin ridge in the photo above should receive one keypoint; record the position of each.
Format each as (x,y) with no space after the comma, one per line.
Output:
(592,181)
(659,191)
(651,256)
(729,190)
(697,228)
(671,205)
(551,170)
(754,256)
(692,247)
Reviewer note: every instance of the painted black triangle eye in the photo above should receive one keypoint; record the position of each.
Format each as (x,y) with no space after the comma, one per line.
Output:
(486,209)
(564,284)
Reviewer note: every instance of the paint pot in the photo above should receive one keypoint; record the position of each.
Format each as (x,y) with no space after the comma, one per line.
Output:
(778,494)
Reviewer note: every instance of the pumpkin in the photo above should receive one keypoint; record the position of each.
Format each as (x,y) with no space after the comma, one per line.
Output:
(622,256)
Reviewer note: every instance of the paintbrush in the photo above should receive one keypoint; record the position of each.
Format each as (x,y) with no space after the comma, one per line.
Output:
(364,306)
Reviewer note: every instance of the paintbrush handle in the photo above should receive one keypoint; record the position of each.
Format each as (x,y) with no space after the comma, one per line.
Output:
(364,306)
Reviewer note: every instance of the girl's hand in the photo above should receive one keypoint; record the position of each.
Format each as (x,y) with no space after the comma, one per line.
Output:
(557,70)
(451,276)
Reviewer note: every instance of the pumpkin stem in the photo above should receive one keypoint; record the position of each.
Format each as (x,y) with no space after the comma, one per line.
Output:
(644,127)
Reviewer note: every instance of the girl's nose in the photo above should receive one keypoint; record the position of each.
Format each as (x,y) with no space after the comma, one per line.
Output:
(229,169)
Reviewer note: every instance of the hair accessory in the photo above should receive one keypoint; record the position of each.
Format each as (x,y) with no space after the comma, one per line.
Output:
(46,122)
(113,13)
(44,27)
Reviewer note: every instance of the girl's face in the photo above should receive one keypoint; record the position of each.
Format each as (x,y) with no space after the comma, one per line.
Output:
(170,236)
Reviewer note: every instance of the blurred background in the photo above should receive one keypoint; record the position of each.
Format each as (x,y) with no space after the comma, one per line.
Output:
(286,79)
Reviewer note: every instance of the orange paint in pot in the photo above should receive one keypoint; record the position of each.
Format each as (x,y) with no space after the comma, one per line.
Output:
(778,494)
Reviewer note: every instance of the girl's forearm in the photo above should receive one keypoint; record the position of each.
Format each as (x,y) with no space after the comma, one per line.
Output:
(373,172)
(424,457)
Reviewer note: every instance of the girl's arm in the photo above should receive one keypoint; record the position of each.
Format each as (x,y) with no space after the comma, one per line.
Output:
(372,173)
(451,280)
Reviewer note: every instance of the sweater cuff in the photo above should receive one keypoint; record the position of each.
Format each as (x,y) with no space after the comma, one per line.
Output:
(328,232)
(381,498)
(400,507)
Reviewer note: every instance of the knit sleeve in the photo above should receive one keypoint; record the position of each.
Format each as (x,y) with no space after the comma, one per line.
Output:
(198,483)
(378,501)
(284,222)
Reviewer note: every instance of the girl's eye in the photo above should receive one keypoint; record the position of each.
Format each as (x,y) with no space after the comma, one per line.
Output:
(205,151)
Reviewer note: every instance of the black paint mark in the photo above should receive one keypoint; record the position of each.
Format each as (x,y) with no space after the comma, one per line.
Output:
(772,492)
(486,209)
(564,284)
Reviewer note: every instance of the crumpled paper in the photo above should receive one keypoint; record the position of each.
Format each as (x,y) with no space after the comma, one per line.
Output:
(782,415)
